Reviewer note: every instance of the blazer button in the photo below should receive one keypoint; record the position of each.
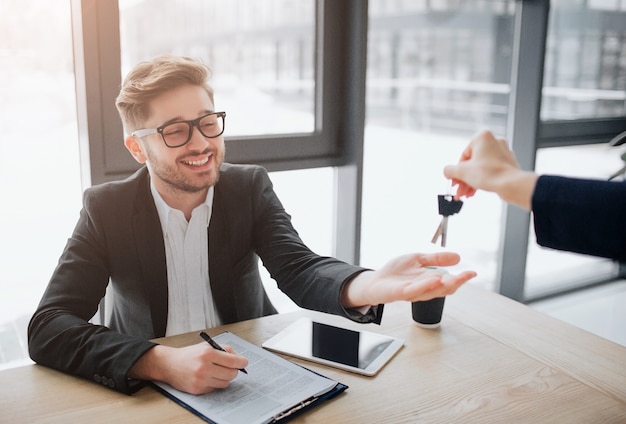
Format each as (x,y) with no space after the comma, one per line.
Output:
(111,383)
(97,378)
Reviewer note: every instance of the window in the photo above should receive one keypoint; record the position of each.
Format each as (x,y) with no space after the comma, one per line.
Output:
(583,104)
(437,73)
(585,73)
(39,164)
(262,55)
(298,93)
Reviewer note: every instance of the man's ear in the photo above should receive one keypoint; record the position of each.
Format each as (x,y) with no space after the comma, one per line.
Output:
(134,147)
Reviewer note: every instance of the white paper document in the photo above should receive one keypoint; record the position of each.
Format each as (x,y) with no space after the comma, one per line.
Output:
(274,387)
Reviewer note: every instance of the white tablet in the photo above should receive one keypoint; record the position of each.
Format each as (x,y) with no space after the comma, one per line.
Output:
(362,352)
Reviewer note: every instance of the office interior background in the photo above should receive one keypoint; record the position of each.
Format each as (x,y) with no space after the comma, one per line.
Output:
(354,107)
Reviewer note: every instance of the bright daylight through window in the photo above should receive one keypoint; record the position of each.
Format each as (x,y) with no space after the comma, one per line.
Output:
(39,164)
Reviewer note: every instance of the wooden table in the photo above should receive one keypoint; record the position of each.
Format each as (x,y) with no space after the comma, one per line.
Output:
(492,360)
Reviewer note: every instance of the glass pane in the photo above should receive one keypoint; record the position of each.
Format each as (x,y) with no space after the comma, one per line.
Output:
(39,164)
(437,73)
(547,269)
(585,67)
(262,55)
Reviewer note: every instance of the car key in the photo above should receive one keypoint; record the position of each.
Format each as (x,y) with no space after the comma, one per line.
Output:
(447,206)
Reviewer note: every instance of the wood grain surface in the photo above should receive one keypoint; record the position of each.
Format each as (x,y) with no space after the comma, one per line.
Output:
(492,360)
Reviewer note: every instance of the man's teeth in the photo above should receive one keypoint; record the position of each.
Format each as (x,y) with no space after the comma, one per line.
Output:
(196,162)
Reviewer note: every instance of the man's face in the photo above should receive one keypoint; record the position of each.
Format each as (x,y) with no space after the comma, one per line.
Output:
(193,167)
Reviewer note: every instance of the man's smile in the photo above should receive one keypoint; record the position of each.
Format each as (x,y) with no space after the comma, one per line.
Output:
(198,162)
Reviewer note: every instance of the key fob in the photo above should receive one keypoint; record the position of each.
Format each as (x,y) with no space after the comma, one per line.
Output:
(447,205)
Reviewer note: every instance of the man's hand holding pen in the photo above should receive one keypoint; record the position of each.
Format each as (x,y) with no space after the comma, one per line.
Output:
(196,369)
(214,344)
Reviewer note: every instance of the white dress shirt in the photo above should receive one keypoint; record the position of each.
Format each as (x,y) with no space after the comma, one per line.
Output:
(190,301)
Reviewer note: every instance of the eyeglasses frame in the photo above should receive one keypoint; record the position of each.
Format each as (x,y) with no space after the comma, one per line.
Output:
(192,123)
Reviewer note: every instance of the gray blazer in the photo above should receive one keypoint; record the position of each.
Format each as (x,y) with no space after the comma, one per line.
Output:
(118,243)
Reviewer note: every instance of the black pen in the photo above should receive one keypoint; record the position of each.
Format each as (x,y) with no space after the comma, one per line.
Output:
(214,344)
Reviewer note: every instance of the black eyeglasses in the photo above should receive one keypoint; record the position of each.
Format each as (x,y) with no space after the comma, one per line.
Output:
(176,134)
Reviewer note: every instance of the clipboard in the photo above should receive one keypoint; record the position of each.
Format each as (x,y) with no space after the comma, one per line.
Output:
(263,395)
(281,417)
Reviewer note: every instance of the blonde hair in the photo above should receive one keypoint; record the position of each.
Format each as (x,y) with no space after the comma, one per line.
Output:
(152,78)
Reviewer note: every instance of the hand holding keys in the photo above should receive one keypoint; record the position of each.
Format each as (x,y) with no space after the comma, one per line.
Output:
(447,207)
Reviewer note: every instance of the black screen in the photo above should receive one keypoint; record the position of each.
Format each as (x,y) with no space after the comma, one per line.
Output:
(335,344)
(346,346)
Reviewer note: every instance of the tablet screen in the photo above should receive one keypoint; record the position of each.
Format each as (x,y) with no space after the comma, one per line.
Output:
(359,351)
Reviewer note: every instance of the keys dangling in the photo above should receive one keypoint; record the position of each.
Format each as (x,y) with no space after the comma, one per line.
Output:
(447,207)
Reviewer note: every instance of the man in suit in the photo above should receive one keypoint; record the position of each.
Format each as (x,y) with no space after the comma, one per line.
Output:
(573,214)
(178,243)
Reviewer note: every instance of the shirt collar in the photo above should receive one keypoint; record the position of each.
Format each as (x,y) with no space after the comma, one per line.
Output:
(163,209)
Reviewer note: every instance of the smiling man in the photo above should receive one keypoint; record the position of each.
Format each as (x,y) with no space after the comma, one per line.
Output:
(178,243)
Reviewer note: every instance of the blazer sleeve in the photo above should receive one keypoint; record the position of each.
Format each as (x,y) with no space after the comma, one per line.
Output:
(60,335)
(310,280)
(581,216)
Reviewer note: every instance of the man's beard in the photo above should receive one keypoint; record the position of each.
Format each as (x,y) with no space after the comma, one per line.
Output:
(178,182)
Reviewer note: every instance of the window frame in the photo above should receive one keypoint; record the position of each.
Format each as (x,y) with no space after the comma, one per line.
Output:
(528,133)
(337,140)
(97,66)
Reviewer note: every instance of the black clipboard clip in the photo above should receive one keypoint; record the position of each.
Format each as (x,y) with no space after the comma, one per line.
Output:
(305,404)
(294,409)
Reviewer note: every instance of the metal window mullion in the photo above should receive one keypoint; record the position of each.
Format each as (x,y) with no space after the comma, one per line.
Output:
(345,55)
(95,32)
(530,32)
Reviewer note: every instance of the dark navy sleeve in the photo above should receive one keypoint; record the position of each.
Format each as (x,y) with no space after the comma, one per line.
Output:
(581,216)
